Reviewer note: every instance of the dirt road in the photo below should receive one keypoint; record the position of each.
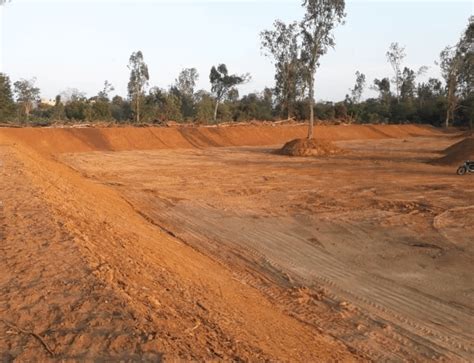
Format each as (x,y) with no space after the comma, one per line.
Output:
(237,252)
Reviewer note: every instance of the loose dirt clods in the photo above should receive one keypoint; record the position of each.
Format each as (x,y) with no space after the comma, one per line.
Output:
(309,147)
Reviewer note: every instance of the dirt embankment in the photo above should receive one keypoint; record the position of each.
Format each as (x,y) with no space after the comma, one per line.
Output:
(64,140)
(457,153)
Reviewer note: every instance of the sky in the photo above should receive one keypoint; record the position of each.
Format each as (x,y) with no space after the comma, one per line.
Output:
(80,44)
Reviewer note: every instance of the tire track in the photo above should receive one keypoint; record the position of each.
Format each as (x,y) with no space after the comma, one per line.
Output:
(442,327)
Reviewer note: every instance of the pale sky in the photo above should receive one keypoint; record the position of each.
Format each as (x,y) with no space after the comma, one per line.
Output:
(79,44)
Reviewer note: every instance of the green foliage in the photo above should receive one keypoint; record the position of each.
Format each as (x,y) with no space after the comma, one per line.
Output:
(395,56)
(7,105)
(204,107)
(222,83)
(184,91)
(77,109)
(283,45)
(408,85)
(324,111)
(358,90)
(120,109)
(340,111)
(255,107)
(103,95)
(139,77)
(58,112)
(382,86)
(162,105)
(100,109)
(170,108)
(457,68)
(320,19)
(27,95)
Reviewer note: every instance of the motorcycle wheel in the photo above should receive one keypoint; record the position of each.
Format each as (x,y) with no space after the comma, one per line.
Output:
(462,170)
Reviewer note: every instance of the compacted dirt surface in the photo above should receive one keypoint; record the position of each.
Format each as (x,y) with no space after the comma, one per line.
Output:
(204,244)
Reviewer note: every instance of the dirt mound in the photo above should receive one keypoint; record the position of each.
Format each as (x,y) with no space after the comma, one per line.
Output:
(457,153)
(309,147)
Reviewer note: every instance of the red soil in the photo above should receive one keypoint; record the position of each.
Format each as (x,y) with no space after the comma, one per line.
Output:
(60,140)
(457,153)
(309,147)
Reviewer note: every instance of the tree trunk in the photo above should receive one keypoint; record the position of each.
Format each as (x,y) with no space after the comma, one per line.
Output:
(215,111)
(451,105)
(311,107)
(138,108)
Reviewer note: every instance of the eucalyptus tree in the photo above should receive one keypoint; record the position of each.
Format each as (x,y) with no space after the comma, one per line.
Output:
(283,44)
(184,89)
(320,19)
(139,78)
(358,90)
(222,83)
(395,56)
(186,81)
(466,53)
(103,94)
(27,95)
(382,86)
(457,68)
(7,105)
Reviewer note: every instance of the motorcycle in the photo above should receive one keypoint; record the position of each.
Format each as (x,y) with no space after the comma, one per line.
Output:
(468,167)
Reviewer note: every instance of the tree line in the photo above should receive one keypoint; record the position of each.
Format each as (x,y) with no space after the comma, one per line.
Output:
(295,49)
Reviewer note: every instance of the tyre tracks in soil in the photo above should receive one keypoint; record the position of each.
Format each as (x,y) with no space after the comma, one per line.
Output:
(395,321)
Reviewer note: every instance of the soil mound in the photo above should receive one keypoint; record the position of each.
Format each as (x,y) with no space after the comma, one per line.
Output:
(309,147)
(457,153)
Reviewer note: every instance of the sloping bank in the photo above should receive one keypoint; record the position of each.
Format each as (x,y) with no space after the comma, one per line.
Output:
(58,140)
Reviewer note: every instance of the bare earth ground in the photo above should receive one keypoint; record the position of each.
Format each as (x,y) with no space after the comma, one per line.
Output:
(237,253)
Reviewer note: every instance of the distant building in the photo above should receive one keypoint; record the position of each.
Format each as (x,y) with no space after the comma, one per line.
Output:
(49,102)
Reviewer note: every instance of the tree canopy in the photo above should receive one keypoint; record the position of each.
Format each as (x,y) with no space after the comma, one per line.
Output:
(222,82)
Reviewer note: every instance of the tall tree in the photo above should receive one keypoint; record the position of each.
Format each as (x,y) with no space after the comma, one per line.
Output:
(408,85)
(450,64)
(466,53)
(139,78)
(317,30)
(184,90)
(382,86)
(186,81)
(284,46)
(395,56)
(222,83)
(7,105)
(104,93)
(358,90)
(27,95)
